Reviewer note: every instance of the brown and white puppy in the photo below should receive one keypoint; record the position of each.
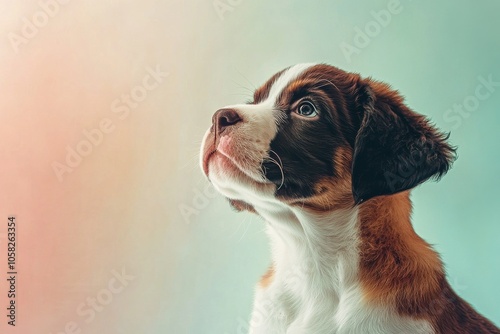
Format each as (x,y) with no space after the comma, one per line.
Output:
(328,158)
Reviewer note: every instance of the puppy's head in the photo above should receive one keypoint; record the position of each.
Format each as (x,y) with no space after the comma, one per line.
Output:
(321,138)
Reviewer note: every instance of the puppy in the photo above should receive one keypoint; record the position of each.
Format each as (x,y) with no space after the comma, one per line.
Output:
(328,158)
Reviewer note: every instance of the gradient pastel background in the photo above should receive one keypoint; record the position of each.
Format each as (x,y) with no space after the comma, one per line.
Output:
(120,209)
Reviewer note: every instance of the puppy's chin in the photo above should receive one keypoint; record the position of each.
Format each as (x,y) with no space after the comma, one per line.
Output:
(235,182)
(235,166)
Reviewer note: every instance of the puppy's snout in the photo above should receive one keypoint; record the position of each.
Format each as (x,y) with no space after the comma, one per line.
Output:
(224,118)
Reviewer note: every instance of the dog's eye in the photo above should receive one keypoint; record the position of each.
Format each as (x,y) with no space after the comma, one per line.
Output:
(307,109)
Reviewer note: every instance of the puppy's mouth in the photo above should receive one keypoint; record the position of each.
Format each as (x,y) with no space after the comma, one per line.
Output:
(225,155)
(226,162)
(207,154)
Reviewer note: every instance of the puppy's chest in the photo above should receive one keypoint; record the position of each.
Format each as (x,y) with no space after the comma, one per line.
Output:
(322,298)
(298,306)
(316,287)
(301,300)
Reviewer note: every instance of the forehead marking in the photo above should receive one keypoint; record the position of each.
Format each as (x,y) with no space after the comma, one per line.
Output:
(284,80)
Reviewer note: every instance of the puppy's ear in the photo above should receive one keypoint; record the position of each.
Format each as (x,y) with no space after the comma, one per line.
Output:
(395,149)
(241,206)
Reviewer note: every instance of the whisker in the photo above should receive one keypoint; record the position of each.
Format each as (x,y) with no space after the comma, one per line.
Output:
(240,223)
(280,166)
(245,221)
(244,77)
(245,95)
(279,158)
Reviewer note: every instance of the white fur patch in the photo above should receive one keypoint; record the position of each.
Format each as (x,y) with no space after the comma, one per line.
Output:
(284,80)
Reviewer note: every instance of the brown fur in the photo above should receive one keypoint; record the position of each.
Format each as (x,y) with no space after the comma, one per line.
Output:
(399,268)
(332,193)
(241,206)
(267,278)
(262,92)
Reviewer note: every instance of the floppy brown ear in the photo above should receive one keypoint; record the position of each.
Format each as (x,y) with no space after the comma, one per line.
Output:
(395,149)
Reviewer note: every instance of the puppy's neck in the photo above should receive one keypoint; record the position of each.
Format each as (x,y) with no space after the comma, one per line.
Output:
(396,266)
(372,245)
(313,237)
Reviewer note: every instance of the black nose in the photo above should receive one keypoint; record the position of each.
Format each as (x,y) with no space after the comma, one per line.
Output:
(224,118)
